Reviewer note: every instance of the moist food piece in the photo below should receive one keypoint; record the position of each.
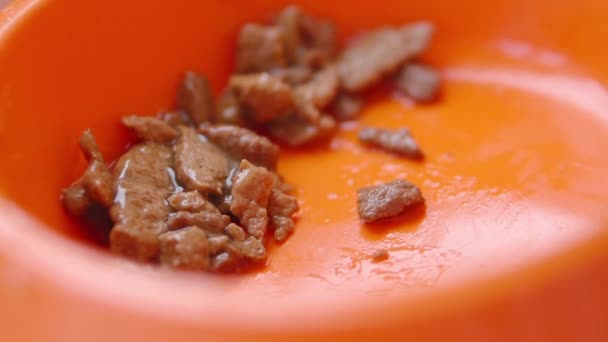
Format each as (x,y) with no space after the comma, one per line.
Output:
(319,34)
(289,21)
(186,249)
(251,191)
(381,52)
(76,199)
(229,109)
(281,208)
(195,97)
(297,132)
(212,221)
(399,141)
(387,200)
(260,49)
(140,211)
(380,255)
(150,129)
(251,248)
(323,87)
(420,82)
(190,201)
(176,118)
(199,164)
(294,75)
(242,143)
(96,179)
(235,232)
(217,243)
(346,107)
(264,96)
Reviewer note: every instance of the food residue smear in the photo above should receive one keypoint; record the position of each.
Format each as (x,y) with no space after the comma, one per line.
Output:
(199,190)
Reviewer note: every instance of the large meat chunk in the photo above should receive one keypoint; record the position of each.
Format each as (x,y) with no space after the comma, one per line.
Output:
(420,82)
(242,143)
(195,97)
(251,191)
(264,96)
(186,249)
(259,49)
(140,211)
(199,164)
(150,129)
(399,141)
(387,200)
(381,52)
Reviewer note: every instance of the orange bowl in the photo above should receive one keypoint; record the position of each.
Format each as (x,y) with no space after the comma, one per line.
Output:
(510,246)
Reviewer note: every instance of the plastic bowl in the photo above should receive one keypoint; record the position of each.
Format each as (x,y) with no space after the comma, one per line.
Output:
(510,246)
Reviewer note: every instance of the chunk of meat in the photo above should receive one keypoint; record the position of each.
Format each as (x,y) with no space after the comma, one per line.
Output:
(346,107)
(319,34)
(289,22)
(140,211)
(399,141)
(387,200)
(76,199)
(242,143)
(294,75)
(297,132)
(217,243)
(381,52)
(211,221)
(190,201)
(229,109)
(195,97)
(281,208)
(420,82)
(96,179)
(252,249)
(176,118)
(235,232)
(380,255)
(186,249)
(323,87)
(260,49)
(264,96)
(199,164)
(251,191)
(150,129)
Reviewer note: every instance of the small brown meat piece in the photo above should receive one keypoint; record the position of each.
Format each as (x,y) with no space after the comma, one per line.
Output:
(190,201)
(387,200)
(176,118)
(199,164)
(260,49)
(381,52)
(346,107)
(229,109)
(140,211)
(235,232)
(96,179)
(281,208)
(319,34)
(380,255)
(294,75)
(211,221)
(217,242)
(150,129)
(289,22)
(242,143)
(264,96)
(420,82)
(195,97)
(399,141)
(76,199)
(297,132)
(251,191)
(251,248)
(186,249)
(323,87)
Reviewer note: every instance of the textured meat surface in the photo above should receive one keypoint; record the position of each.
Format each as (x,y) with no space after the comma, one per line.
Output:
(420,82)
(251,191)
(150,129)
(211,221)
(140,211)
(242,143)
(281,208)
(322,88)
(380,52)
(387,200)
(195,97)
(96,179)
(397,141)
(297,132)
(199,164)
(190,201)
(186,249)
(259,49)
(264,96)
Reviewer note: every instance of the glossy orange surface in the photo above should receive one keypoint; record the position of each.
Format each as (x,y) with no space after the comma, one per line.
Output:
(512,240)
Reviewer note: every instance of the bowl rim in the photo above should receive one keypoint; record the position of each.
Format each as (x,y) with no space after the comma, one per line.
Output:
(41,250)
